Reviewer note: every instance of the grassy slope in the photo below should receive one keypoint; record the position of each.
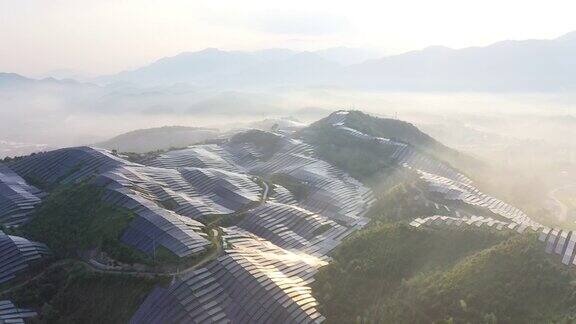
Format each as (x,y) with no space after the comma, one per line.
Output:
(73,218)
(514,281)
(398,274)
(69,293)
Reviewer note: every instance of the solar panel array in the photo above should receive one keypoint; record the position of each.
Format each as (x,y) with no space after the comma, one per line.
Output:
(10,314)
(17,254)
(17,198)
(168,202)
(282,195)
(171,203)
(330,191)
(441,220)
(180,189)
(288,226)
(274,250)
(468,194)
(192,192)
(68,165)
(200,156)
(156,226)
(254,282)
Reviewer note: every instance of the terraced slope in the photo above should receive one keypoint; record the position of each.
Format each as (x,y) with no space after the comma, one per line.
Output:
(330,191)
(165,201)
(272,253)
(394,273)
(276,247)
(289,226)
(254,282)
(440,180)
(171,202)
(275,206)
(64,166)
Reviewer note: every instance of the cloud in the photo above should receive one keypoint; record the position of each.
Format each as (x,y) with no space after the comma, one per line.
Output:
(298,23)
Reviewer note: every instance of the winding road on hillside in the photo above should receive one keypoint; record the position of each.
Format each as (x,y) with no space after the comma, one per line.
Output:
(99,267)
(96,266)
(265,194)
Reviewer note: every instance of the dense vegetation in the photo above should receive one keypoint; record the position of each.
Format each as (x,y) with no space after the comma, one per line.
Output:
(401,202)
(73,219)
(364,159)
(398,274)
(361,159)
(514,281)
(68,292)
(266,142)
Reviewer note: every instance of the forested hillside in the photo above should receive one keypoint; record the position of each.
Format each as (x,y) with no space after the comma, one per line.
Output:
(398,274)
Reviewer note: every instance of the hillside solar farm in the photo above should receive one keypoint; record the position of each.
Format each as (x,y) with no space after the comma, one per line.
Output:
(243,228)
(287,162)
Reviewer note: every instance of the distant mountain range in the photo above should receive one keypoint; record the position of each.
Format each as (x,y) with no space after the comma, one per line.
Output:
(524,66)
(527,65)
(11,81)
(215,68)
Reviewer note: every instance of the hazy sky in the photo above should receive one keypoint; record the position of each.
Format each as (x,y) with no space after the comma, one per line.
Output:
(105,36)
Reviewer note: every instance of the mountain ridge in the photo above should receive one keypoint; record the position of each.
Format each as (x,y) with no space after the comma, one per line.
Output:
(532,65)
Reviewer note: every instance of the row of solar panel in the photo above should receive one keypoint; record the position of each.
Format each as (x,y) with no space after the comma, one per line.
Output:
(440,176)
(10,314)
(67,165)
(199,297)
(330,191)
(468,194)
(17,198)
(191,192)
(255,282)
(156,226)
(17,255)
(287,226)
(148,192)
